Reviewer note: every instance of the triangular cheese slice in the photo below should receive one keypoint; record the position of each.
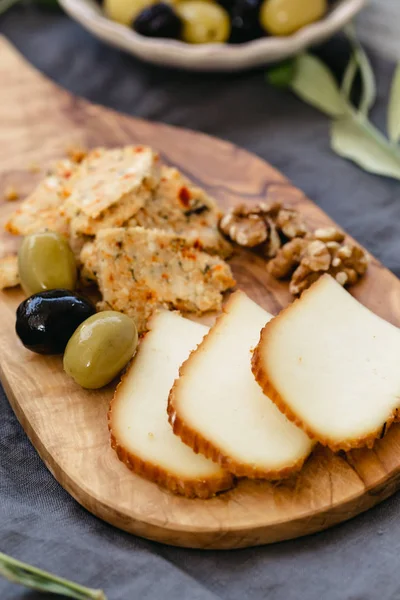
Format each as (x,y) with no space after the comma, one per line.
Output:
(217,408)
(138,420)
(331,366)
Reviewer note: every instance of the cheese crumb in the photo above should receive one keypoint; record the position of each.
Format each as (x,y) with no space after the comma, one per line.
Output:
(34,167)
(76,153)
(11,194)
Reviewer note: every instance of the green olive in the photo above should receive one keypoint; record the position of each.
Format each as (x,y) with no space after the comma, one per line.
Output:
(125,11)
(100,348)
(283,17)
(46,262)
(203,22)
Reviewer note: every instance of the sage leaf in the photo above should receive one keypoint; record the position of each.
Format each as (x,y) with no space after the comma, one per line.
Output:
(355,138)
(282,75)
(393,125)
(368,89)
(31,577)
(314,83)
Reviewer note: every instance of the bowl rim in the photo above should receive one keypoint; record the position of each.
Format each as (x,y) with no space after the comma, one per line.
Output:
(87,11)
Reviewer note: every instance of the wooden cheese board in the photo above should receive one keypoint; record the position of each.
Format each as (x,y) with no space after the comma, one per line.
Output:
(68,425)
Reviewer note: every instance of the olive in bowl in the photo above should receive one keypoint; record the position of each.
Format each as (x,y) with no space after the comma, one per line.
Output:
(245,21)
(203,22)
(47,320)
(100,348)
(285,17)
(159,20)
(45,262)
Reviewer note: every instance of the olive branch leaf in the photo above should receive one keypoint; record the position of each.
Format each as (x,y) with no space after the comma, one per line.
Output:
(31,577)
(353,136)
(394,108)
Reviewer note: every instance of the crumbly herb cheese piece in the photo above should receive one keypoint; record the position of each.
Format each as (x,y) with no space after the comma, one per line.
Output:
(42,209)
(139,270)
(109,187)
(9,276)
(88,261)
(179,205)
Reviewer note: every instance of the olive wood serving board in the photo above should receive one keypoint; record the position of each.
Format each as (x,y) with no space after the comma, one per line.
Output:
(68,425)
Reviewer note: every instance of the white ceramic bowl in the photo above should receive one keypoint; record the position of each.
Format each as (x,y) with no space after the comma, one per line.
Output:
(210,57)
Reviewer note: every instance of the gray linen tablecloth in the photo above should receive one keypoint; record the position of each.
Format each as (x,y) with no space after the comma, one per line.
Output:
(39,522)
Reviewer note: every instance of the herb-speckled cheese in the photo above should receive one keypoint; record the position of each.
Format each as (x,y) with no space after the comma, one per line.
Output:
(42,208)
(181,206)
(139,270)
(9,276)
(109,187)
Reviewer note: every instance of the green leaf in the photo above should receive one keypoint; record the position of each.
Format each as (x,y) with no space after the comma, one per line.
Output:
(368,91)
(314,83)
(355,138)
(282,75)
(394,108)
(352,135)
(31,577)
(348,78)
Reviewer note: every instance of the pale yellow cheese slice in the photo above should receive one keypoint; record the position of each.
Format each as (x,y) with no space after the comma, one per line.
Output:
(332,366)
(217,407)
(138,420)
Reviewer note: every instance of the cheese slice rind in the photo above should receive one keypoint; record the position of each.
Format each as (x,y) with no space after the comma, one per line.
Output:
(138,420)
(332,366)
(217,407)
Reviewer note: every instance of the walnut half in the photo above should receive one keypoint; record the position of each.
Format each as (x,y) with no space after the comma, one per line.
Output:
(306,259)
(290,223)
(252,226)
(244,227)
(287,258)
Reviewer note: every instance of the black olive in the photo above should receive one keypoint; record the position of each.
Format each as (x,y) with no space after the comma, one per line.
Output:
(245,22)
(227,5)
(46,321)
(158,20)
